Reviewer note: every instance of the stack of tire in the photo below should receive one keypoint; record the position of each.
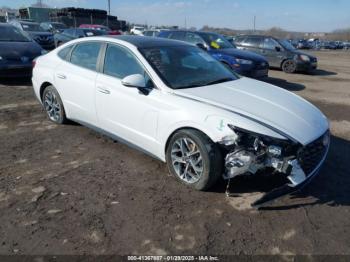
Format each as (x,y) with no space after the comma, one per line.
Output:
(74,17)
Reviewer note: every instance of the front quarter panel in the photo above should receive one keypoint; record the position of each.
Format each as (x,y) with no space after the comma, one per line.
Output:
(180,113)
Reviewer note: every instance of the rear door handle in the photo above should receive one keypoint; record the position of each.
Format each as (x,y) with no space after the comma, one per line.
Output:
(103,90)
(61,76)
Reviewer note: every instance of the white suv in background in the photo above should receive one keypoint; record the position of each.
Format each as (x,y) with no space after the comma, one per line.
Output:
(137,30)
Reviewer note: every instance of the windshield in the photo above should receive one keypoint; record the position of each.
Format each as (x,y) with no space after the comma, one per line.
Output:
(32,27)
(59,26)
(11,34)
(186,66)
(286,44)
(216,41)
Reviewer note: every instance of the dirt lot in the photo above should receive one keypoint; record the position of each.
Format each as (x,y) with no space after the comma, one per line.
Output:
(69,190)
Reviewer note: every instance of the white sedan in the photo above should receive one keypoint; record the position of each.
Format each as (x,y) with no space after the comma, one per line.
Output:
(175,102)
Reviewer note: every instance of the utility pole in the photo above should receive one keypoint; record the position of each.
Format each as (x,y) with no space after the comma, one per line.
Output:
(185,22)
(254,22)
(109,11)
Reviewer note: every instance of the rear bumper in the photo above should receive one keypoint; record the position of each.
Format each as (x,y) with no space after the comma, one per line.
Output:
(15,70)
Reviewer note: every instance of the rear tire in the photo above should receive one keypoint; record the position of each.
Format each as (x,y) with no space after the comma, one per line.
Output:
(194,159)
(53,105)
(289,66)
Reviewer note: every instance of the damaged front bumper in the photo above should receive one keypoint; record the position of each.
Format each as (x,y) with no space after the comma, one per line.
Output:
(293,167)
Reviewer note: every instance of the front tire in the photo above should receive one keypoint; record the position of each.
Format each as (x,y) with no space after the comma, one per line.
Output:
(53,105)
(289,66)
(193,159)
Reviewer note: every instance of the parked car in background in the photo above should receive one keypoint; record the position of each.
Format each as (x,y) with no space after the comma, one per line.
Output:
(137,30)
(303,44)
(280,53)
(152,33)
(328,45)
(53,27)
(73,33)
(180,105)
(102,28)
(243,62)
(35,31)
(17,52)
(229,38)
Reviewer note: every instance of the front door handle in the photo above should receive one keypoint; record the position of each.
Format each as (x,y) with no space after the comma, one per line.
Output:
(61,76)
(103,90)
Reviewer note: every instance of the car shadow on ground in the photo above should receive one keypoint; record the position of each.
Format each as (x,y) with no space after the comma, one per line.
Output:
(284,84)
(319,72)
(16,81)
(331,186)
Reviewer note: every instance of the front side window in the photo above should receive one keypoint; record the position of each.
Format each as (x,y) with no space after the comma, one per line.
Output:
(270,44)
(85,55)
(186,66)
(120,63)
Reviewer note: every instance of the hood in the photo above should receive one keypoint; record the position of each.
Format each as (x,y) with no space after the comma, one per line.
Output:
(15,50)
(240,54)
(265,103)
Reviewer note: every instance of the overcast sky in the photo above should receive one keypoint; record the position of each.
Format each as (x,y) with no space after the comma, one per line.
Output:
(295,15)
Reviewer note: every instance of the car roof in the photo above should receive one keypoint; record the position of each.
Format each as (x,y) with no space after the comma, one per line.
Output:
(144,42)
(269,36)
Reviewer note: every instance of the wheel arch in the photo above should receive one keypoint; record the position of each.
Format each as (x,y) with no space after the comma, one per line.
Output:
(187,127)
(42,88)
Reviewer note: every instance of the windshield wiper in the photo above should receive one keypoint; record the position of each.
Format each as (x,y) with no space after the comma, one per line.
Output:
(222,80)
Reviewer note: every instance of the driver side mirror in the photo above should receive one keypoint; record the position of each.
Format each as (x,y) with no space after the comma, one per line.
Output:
(278,49)
(138,81)
(202,46)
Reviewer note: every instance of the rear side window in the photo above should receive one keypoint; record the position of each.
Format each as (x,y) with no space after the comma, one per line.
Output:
(177,35)
(85,55)
(252,41)
(239,39)
(194,38)
(120,63)
(63,54)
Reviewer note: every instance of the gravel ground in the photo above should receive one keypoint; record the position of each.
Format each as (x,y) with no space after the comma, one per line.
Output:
(68,190)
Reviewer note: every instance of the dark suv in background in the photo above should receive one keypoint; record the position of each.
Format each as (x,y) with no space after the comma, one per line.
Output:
(243,62)
(280,53)
(36,32)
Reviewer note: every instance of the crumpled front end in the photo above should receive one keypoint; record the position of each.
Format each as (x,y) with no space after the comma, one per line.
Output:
(249,152)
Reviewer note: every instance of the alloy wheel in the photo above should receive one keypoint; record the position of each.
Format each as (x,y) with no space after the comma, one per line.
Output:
(187,160)
(52,106)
